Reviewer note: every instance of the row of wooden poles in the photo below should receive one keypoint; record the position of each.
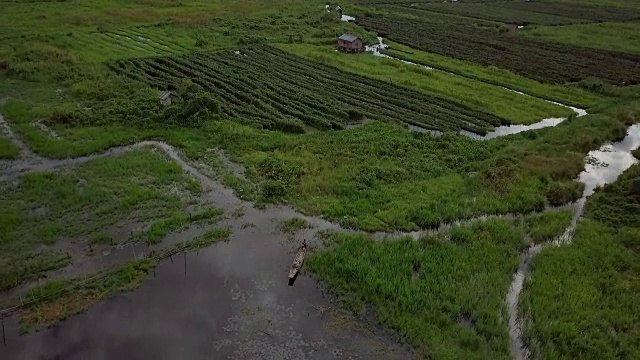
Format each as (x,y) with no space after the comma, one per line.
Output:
(167,254)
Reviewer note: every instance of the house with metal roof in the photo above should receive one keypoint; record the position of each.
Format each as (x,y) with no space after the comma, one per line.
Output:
(350,43)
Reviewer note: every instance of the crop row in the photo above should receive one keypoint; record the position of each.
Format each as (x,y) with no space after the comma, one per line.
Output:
(276,90)
(496,12)
(524,13)
(574,10)
(544,61)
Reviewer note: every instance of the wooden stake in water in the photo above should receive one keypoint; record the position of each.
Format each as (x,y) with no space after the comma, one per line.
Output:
(4,339)
(185,264)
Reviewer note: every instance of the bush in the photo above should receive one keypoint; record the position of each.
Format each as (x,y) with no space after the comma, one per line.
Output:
(273,190)
(560,193)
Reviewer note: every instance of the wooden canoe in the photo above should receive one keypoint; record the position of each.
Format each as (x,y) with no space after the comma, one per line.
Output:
(298,261)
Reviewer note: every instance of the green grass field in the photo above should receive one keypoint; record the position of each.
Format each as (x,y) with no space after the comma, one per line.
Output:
(581,300)
(8,150)
(477,94)
(444,295)
(609,36)
(566,94)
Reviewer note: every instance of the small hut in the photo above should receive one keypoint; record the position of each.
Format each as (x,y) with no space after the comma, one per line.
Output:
(165,97)
(350,43)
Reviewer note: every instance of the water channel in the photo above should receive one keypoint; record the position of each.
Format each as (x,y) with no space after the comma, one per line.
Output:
(231,300)
(378,50)
(605,166)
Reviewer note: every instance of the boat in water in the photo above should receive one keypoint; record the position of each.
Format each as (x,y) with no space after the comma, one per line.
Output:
(297,262)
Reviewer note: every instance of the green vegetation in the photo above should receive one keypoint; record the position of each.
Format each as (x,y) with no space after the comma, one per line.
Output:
(84,203)
(57,300)
(566,94)
(292,225)
(444,295)
(325,97)
(205,240)
(105,30)
(581,301)
(636,153)
(609,36)
(61,299)
(243,189)
(548,225)
(327,133)
(73,142)
(473,93)
(525,13)
(618,204)
(621,3)
(159,229)
(379,177)
(31,268)
(8,150)
(483,43)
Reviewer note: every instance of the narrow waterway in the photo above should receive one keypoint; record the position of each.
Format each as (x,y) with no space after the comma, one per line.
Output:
(378,50)
(603,167)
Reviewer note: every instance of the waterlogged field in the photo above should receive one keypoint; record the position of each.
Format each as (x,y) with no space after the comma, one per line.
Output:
(53,219)
(294,140)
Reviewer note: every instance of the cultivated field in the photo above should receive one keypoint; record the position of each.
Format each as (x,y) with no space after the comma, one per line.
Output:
(274,90)
(466,184)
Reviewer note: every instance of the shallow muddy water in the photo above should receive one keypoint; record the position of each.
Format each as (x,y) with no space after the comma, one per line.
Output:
(230,300)
(603,167)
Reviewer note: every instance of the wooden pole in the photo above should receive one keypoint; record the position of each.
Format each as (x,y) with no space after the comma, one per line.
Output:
(4,338)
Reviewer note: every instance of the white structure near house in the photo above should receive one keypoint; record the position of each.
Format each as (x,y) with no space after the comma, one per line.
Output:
(165,97)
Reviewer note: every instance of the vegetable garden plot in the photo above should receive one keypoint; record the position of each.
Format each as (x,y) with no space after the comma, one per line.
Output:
(276,90)
(497,12)
(543,61)
(524,13)
(576,11)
